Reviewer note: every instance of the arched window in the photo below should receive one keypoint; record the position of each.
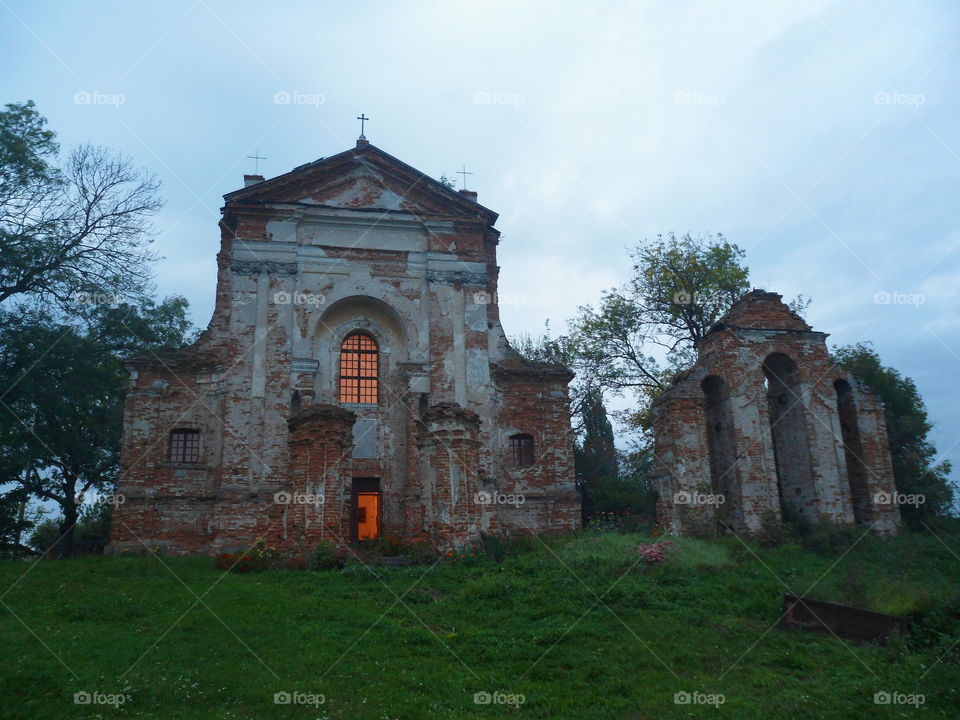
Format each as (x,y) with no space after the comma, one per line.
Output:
(358,369)
(521,450)
(184,445)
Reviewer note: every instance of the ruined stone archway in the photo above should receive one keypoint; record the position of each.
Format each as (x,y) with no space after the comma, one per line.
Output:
(723,455)
(857,473)
(788,433)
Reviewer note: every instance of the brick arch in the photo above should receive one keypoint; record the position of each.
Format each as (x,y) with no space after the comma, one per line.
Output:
(787,414)
(369,316)
(384,320)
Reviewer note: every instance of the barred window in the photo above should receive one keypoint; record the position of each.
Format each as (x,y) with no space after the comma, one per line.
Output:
(185,445)
(521,450)
(359,360)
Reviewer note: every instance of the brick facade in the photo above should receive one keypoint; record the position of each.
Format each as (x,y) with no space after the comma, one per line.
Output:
(355,243)
(766,426)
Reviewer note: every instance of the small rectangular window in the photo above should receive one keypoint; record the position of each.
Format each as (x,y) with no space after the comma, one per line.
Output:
(521,450)
(185,445)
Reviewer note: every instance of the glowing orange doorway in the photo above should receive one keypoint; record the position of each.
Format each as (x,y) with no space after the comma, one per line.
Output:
(365,513)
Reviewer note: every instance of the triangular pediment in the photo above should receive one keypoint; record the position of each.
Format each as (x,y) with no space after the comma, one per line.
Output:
(365,178)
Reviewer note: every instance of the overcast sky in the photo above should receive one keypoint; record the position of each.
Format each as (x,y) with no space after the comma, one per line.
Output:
(821,137)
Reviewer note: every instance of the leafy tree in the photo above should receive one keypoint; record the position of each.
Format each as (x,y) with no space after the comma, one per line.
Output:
(14,522)
(71,227)
(595,456)
(915,467)
(645,331)
(61,412)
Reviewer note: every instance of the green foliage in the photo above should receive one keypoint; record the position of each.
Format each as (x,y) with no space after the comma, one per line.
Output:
(26,148)
(915,467)
(705,619)
(679,287)
(326,556)
(14,522)
(61,418)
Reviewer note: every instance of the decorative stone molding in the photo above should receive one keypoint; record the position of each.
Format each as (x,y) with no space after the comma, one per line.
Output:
(451,277)
(256,267)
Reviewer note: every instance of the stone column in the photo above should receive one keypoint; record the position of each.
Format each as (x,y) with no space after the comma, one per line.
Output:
(316,502)
(450,451)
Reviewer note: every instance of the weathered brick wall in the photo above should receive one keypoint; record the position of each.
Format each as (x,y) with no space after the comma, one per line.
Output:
(355,242)
(760,422)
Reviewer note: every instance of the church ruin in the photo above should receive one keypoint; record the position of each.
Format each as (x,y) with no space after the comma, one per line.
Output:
(354,381)
(766,426)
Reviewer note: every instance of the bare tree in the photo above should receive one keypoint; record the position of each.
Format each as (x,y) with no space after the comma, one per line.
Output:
(81,227)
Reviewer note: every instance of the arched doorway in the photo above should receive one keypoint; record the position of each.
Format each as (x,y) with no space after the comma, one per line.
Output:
(723,458)
(788,432)
(857,473)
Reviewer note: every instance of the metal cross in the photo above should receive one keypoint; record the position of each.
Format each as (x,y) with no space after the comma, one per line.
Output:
(362,118)
(256,157)
(464,173)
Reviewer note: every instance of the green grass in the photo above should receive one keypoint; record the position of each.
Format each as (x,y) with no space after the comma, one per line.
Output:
(574,625)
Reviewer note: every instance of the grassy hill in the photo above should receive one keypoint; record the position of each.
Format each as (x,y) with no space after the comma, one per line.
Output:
(581,627)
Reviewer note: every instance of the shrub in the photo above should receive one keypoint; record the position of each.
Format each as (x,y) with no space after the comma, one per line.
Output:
(327,556)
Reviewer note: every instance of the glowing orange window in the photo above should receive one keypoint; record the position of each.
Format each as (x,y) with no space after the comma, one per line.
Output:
(358,369)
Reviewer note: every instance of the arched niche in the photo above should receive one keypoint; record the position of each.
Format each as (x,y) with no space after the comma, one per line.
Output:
(788,431)
(367,315)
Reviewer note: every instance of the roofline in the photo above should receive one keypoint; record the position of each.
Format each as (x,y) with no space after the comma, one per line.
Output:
(472,205)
